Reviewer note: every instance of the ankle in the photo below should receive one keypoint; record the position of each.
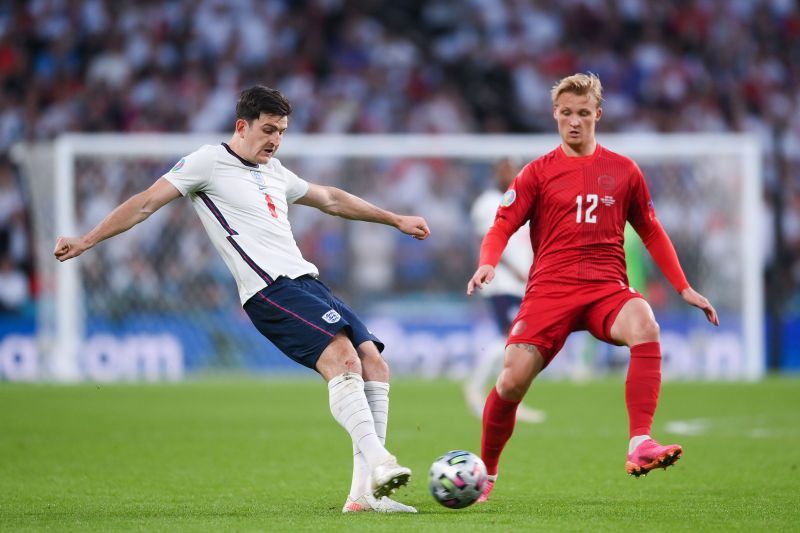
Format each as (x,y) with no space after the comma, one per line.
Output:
(636,441)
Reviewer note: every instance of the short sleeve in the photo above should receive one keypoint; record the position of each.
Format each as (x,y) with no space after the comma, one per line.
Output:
(517,201)
(641,212)
(296,187)
(193,172)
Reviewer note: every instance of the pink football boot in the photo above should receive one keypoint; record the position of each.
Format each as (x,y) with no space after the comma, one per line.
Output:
(487,489)
(649,455)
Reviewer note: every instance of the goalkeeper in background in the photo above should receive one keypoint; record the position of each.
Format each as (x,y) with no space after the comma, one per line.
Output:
(577,199)
(241,194)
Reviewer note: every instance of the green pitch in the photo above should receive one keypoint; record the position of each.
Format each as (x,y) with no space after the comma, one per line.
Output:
(266,455)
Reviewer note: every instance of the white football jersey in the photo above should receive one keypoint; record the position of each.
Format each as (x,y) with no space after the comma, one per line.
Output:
(518,252)
(244,207)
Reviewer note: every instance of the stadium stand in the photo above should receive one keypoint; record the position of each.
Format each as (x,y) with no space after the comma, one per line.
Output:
(357,67)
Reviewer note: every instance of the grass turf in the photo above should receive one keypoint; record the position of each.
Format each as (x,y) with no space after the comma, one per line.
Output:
(266,455)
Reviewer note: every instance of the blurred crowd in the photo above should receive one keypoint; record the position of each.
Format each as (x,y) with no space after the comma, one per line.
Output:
(157,265)
(371,66)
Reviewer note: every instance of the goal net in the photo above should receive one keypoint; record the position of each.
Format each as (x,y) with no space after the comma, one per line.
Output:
(157,302)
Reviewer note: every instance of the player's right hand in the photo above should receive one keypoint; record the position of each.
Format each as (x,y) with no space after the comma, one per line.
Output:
(414,226)
(69,247)
(481,277)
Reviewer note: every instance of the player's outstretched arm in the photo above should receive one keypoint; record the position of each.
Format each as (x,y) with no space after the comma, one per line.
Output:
(692,297)
(663,253)
(340,203)
(481,277)
(134,210)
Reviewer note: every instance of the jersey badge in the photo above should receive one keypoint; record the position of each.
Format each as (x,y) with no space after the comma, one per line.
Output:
(331,317)
(606,182)
(179,165)
(607,200)
(262,185)
(509,197)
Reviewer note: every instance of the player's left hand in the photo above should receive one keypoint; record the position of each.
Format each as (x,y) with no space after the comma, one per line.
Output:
(692,297)
(414,226)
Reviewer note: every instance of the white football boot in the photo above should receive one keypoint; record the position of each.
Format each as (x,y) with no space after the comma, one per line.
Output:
(368,502)
(388,476)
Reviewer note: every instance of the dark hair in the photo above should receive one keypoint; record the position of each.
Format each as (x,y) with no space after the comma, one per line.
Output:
(260,99)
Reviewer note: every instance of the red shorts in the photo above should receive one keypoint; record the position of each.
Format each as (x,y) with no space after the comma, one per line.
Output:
(549,313)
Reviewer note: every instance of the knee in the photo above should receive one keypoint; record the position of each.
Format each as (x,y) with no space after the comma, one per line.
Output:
(345,361)
(340,356)
(375,367)
(348,358)
(510,388)
(521,366)
(350,363)
(635,324)
(647,330)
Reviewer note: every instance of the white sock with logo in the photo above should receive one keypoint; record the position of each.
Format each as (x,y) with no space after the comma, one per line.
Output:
(350,408)
(636,441)
(377,394)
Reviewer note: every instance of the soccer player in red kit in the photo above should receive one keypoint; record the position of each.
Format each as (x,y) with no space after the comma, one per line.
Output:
(577,199)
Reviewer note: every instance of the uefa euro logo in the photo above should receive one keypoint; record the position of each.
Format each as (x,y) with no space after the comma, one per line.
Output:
(509,197)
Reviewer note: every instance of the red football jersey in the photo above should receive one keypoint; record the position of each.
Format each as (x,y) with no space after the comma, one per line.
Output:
(577,207)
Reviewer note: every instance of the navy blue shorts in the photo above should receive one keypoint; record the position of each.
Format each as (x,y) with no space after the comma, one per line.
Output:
(301,316)
(505,308)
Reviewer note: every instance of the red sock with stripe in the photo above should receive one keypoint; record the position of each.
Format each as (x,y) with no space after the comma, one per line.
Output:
(499,416)
(642,386)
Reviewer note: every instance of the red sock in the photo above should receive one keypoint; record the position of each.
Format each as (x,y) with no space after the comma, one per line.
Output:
(642,386)
(499,416)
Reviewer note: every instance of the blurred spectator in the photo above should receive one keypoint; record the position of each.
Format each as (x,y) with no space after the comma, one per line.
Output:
(13,287)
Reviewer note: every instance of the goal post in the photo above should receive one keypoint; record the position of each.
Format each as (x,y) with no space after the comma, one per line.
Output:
(711,180)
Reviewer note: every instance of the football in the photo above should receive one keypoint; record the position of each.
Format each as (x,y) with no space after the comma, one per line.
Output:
(457,479)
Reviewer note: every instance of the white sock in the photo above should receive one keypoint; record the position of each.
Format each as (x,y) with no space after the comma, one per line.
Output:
(636,441)
(350,408)
(377,394)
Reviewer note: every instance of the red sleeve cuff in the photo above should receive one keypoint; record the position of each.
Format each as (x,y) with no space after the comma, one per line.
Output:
(493,244)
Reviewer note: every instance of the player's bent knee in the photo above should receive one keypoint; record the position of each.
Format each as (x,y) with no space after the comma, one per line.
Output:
(522,364)
(334,366)
(651,330)
(338,357)
(374,367)
(510,388)
(511,393)
(351,364)
(379,371)
(644,331)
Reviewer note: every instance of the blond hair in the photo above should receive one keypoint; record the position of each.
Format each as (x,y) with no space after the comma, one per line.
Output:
(579,84)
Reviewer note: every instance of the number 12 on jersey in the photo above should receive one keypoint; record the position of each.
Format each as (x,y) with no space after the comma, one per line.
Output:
(587,214)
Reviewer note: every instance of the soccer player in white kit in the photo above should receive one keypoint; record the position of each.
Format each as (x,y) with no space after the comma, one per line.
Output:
(241,194)
(504,294)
